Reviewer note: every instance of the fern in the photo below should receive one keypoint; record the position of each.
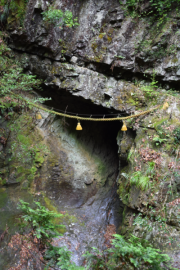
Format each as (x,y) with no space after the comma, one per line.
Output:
(140,180)
(143,183)
(135,178)
(129,154)
(125,254)
(150,170)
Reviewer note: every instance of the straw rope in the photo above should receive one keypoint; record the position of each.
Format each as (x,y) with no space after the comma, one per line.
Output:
(85,118)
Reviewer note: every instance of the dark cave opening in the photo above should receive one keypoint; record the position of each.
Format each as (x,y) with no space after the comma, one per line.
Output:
(100,140)
(99,137)
(102,133)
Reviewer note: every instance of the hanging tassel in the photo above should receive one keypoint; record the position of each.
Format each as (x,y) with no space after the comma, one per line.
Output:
(165,105)
(38,116)
(124,128)
(78,126)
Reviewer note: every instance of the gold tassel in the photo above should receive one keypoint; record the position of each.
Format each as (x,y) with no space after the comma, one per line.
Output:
(124,128)
(78,126)
(165,105)
(38,116)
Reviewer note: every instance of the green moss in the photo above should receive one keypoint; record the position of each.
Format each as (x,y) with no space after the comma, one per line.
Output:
(3,197)
(56,221)
(27,149)
(94,46)
(102,169)
(39,158)
(123,193)
(156,122)
(17,11)
(101,35)
(175,60)
(168,147)
(131,101)
(64,219)
(23,139)
(109,39)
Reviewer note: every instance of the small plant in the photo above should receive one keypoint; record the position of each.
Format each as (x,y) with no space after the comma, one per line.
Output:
(151,169)
(139,180)
(125,254)
(159,219)
(158,8)
(58,17)
(158,140)
(39,220)
(176,134)
(150,88)
(61,257)
(120,56)
(96,259)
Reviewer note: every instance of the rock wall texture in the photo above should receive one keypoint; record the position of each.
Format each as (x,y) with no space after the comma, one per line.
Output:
(106,38)
(102,63)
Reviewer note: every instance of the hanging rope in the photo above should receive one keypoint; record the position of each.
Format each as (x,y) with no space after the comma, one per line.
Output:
(85,118)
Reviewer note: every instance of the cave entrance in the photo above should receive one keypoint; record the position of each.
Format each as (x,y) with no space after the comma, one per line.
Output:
(99,137)
(99,141)
(93,150)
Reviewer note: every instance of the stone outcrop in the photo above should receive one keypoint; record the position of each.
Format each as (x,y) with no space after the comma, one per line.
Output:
(106,36)
(92,67)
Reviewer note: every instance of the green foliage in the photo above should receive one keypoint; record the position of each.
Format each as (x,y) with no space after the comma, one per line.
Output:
(176,134)
(127,253)
(150,88)
(15,80)
(60,256)
(13,8)
(158,140)
(139,180)
(39,220)
(156,7)
(162,135)
(53,16)
(12,77)
(151,169)
(96,259)
(159,221)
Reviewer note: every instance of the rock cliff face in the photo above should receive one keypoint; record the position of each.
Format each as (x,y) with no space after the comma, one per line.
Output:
(106,39)
(98,67)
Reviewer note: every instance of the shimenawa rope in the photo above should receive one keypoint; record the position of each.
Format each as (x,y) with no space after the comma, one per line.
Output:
(85,118)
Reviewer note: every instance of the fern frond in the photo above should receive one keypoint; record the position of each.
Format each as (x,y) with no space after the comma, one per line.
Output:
(151,168)
(140,180)
(143,183)
(129,154)
(135,177)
